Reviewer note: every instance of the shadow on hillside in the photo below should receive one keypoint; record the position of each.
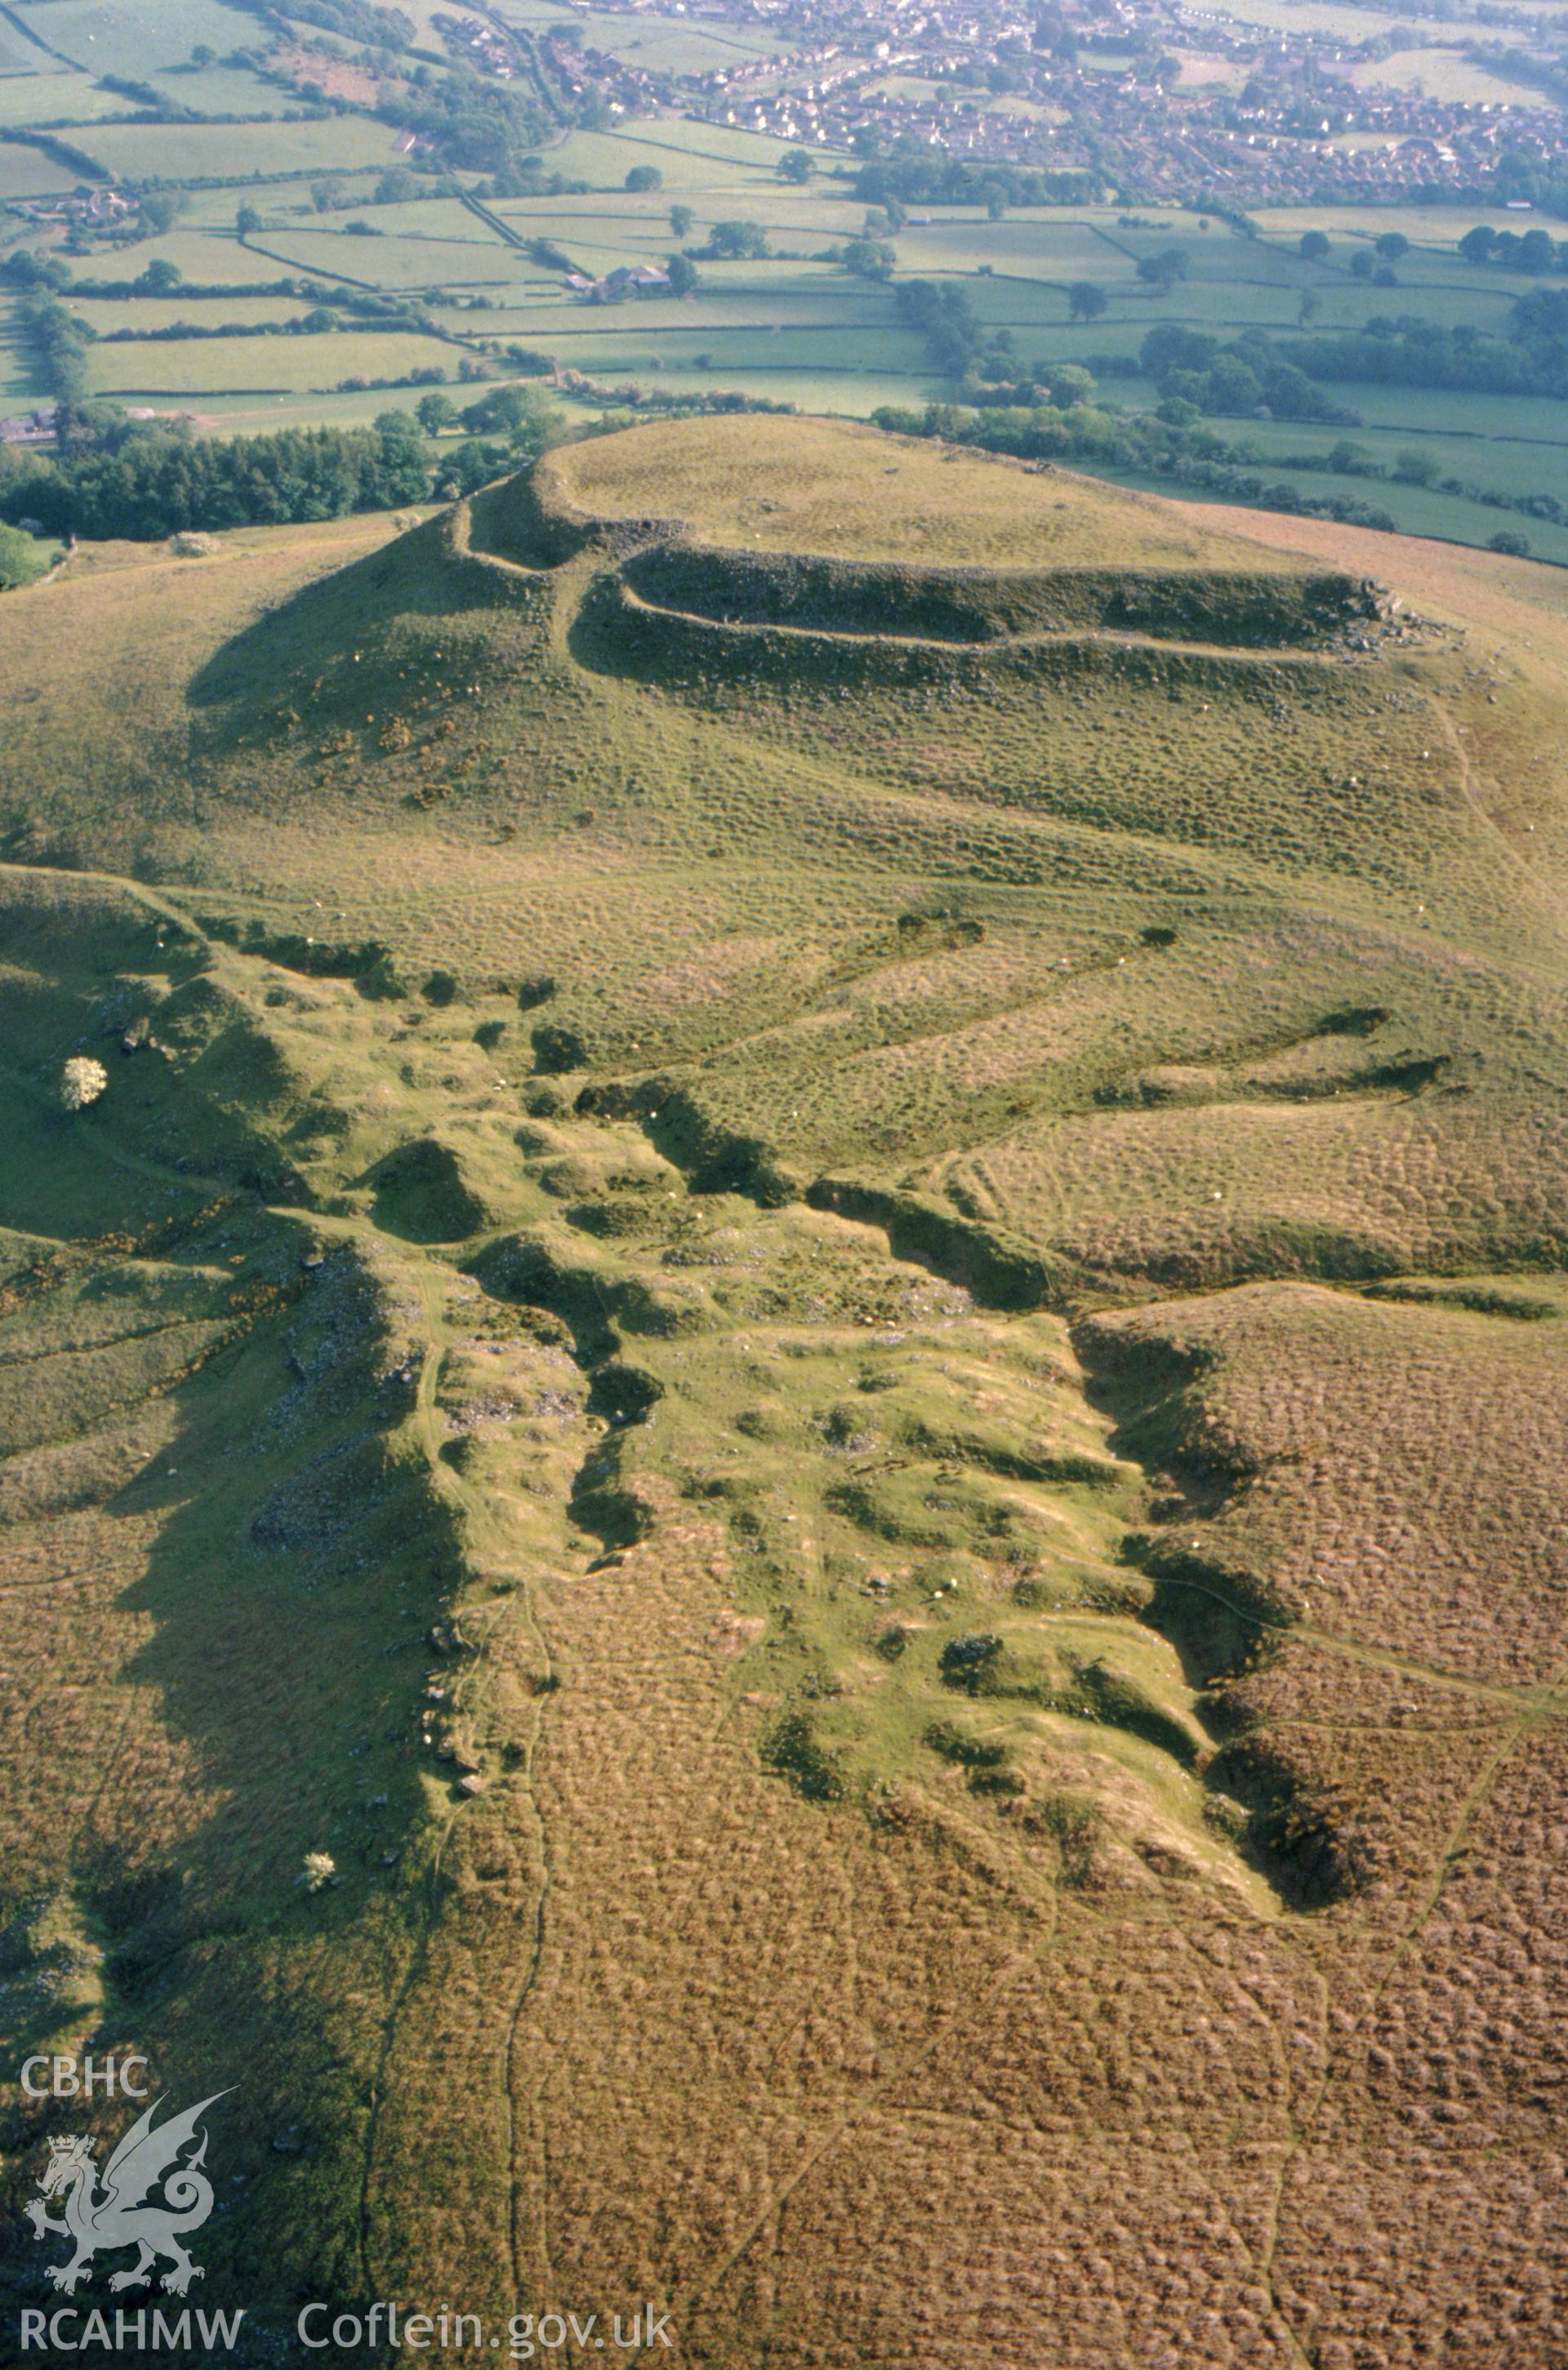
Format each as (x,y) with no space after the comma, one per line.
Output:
(330,637)
(245,1689)
(287,1599)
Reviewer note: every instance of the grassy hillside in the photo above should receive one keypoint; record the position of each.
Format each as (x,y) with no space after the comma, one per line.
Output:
(819,1297)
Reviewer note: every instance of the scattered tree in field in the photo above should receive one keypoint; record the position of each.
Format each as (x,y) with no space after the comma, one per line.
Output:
(1313,245)
(247,221)
(1392,245)
(1306,308)
(867,259)
(82,1081)
(737,239)
(1413,467)
(436,412)
(1163,269)
(644,177)
(523,415)
(945,318)
(25,267)
(1513,544)
(1085,301)
(796,165)
(156,211)
(684,274)
(681,221)
(21,562)
(1067,384)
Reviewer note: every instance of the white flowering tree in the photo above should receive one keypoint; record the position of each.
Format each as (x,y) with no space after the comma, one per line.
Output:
(82,1081)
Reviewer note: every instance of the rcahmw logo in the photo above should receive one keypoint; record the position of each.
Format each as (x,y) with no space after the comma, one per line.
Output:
(150,2196)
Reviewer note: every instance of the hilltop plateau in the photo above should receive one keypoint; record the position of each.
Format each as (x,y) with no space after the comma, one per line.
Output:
(819,1298)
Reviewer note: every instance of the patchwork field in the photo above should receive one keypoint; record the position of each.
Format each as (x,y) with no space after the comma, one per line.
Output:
(797,325)
(819,1297)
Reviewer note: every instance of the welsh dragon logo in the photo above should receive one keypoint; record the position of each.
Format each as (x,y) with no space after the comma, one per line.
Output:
(125,2209)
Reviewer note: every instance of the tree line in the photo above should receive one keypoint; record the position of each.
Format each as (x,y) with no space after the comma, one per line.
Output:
(115,477)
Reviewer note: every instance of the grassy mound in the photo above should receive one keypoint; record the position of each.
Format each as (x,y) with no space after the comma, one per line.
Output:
(974,604)
(839,490)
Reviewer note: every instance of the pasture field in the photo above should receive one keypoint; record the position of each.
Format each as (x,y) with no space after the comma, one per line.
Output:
(394,262)
(1446,74)
(151,43)
(833,359)
(795,223)
(235,151)
(214,208)
(21,53)
(27,98)
(105,313)
(425,219)
(1522,423)
(823,1308)
(921,93)
(135,38)
(1345,22)
(715,143)
(28,173)
(19,373)
(1416,509)
(1428,226)
(198,365)
(660,45)
(204,256)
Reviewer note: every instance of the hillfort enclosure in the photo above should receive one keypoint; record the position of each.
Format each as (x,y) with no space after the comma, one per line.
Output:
(784,1214)
(792,1416)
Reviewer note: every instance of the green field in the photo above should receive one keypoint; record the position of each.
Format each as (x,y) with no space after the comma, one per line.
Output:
(1345,22)
(658,45)
(152,43)
(790,329)
(21,53)
(392,263)
(231,365)
(1432,226)
(286,199)
(236,152)
(63,97)
(1416,509)
(28,173)
(135,38)
(1448,74)
(107,314)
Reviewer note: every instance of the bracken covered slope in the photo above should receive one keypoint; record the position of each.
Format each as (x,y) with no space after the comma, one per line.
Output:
(822,1297)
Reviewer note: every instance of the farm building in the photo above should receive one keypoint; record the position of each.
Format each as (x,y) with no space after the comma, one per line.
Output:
(626,280)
